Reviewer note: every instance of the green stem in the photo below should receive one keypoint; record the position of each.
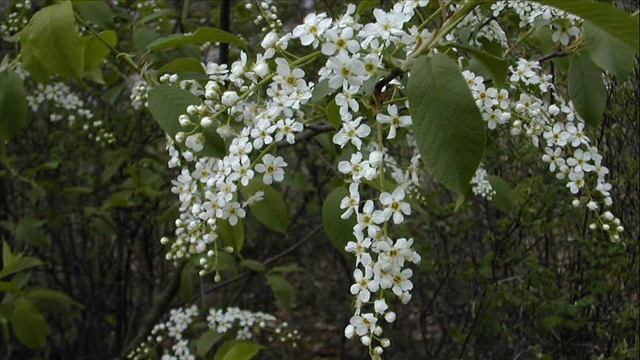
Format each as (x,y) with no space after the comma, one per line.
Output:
(446,28)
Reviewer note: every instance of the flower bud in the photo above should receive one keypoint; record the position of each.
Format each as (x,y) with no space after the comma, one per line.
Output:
(179,137)
(192,109)
(229,249)
(229,98)
(173,78)
(349,331)
(366,341)
(164,240)
(217,278)
(378,330)
(390,316)
(184,120)
(606,227)
(206,122)
(385,342)
(378,350)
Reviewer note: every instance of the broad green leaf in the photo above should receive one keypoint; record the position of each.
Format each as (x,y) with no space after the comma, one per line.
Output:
(18,263)
(8,286)
(49,298)
(13,105)
(604,16)
(213,144)
(338,230)
(95,11)
(232,235)
(28,232)
(608,52)
(95,51)
(7,254)
(167,103)
(505,198)
(52,37)
(254,265)
(586,88)
(157,15)
(320,91)
(29,325)
(272,210)
(35,68)
(449,130)
(200,36)
(183,65)
(333,114)
(142,37)
(496,66)
(187,287)
(237,350)
(206,341)
(282,290)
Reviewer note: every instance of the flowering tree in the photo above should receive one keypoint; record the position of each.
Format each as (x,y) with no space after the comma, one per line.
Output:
(406,94)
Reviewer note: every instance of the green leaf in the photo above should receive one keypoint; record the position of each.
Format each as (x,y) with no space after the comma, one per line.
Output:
(142,37)
(95,51)
(157,14)
(183,65)
(232,235)
(333,114)
(505,198)
(13,105)
(237,350)
(187,287)
(338,230)
(272,210)
(28,232)
(29,325)
(496,66)
(213,144)
(586,88)
(200,36)
(52,37)
(449,130)
(604,16)
(253,265)
(282,290)
(320,91)
(8,286)
(49,298)
(206,341)
(35,68)
(17,263)
(167,103)
(95,11)
(608,52)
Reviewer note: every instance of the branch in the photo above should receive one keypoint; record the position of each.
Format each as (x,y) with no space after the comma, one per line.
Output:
(158,309)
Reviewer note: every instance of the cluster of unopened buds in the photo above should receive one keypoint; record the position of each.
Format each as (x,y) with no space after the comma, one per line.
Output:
(175,338)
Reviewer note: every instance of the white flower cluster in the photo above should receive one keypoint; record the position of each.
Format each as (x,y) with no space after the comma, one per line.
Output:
(17,19)
(249,324)
(354,60)
(564,25)
(480,184)
(268,15)
(210,191)
(174,338)
(60,102)
(171,332)
(138,96)
(558,130)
